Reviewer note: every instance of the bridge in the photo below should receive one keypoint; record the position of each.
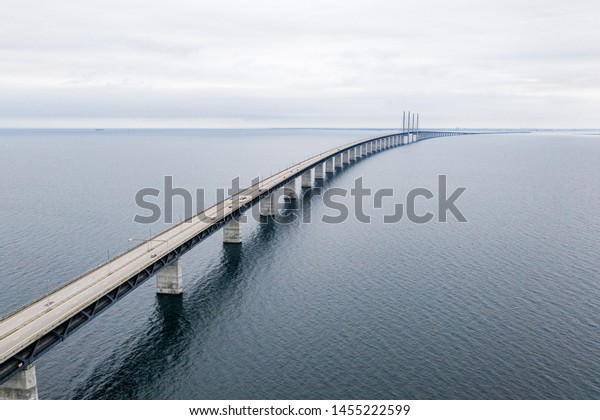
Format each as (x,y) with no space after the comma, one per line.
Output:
(29,332)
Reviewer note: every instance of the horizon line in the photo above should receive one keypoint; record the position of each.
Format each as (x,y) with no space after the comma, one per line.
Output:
(100,128)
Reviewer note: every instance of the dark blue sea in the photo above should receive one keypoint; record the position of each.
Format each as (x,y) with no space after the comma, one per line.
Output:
(503,306)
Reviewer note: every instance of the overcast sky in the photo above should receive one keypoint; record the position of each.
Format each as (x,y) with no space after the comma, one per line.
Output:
(276,63)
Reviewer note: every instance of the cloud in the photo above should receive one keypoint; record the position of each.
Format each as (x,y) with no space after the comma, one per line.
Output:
(336,63)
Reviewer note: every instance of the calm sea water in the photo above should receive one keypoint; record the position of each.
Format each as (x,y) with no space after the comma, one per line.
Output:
(503,306)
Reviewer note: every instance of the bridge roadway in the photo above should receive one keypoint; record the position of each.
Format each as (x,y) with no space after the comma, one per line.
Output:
(28,332)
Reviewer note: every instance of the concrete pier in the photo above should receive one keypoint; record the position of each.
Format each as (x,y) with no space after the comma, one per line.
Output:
(352,154)
(268,206)
(232,232)
(319,173)
(345,158)
(306,180)
(338,161)
(289,190)
(22,386)
(329,166)
(169,281)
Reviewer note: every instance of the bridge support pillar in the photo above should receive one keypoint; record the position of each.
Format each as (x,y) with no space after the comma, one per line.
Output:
(345,159)
(319,174)
(232,232)
(306,179)
(338,160)
(289,190)
(352,154)
(22,386)
(268,206)
(169,281)
(329,166)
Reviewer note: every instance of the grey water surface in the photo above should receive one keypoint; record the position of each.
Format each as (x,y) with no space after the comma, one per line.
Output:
(504,306)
